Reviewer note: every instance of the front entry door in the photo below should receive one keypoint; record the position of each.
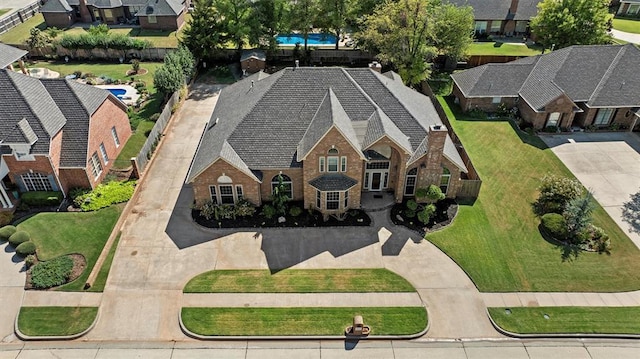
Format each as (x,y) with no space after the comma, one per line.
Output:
(375,181)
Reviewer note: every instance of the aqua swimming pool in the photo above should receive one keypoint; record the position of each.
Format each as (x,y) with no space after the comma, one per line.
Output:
(117,92)
(312,39)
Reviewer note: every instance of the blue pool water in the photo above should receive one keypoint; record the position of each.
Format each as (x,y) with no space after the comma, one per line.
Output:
(118,92)
(312,39)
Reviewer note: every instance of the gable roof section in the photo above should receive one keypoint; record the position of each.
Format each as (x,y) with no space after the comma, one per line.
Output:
(105,4)
(253,53)
(492,80)
(330,114)
(380,125)
(22,133)
(10,54)
(56,6)
(161,8)
(621,87)
(499,9)
(91,97)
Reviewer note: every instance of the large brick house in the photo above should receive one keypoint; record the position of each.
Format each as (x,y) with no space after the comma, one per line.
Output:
(149,14)
(502,17)
(594,85)
(57,134)
(332,133)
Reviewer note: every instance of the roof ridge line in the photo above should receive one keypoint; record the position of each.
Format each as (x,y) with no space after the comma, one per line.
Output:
(24,98)
(362,91)
(608,73)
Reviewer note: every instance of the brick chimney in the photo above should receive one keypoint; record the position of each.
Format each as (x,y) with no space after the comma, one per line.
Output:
(85,16)
(375,66)
(514,6)
(435,146)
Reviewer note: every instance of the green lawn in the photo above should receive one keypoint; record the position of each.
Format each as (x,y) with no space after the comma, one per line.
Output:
(20,33)
(496,240)
(4,11)
(569,320)
(103,274)
(57,234)
(505,49)
(627,25)
(302,321)
(298,281)
(55,321)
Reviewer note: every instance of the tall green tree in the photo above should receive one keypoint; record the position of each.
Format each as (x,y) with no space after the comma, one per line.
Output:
(359,9)
(235,18)
(303,16)
(269,17)
(572,22)
(452,30)
(203,33)
(335,15)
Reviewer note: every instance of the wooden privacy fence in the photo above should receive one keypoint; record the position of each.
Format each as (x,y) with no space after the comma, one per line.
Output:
(142,159)
(18,17)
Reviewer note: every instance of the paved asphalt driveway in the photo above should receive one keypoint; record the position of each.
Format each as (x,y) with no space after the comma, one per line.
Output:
(609,165)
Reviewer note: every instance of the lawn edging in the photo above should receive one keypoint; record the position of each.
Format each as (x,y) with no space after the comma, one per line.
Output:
(193,335)
(554,336)
(25,337)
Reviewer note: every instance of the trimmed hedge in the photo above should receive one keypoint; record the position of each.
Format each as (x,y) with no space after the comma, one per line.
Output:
(105,195)
(556,225)
(26,248)
(19,237)
(51,273)
(41,198)
(6,232)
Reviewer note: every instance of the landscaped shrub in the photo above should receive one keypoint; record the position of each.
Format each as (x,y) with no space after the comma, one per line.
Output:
(5,218)
(51,273)
(425,215)
(244,208)
(30,260)
(19,237)
(412,205)
(6,232)
(295,211)
(105,195)
(41,198)
(269,211)
(555,193)
(26,248)
(594,238)
(555,225)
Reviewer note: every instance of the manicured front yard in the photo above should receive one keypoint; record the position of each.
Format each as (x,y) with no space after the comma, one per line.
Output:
(55,321)
(103,274)
(627,25)
(497,241)
(505,49)
(568,320)
(302,321)
(57,234)
(298,281)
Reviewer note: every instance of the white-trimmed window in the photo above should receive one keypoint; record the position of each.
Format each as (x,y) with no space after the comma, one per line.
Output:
(286,182)
(96,166)
(226,194)
(36,182)
(481,27)
(410,182)
(553,119)
(333,200)
(633,9)
(103,151)
(445,179)
(332,164)
(152,19)
(346,199)
(239,192)
(214,194)
(603,116)
(114,134)
(496,100)
(321,164)
(496,25)
(318,199)
(343,164)
(366,180)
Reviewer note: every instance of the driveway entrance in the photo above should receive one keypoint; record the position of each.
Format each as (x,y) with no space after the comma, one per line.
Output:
(609,165)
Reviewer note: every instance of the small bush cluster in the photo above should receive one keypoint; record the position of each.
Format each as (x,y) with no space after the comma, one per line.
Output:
(6,232)
(178,67)
(21,240)
(104,40)
(41,198)
(26,248)
(555,225)
(18,238)
(242,208)
(555,193)
(51,273)
(104,195)
(423,211)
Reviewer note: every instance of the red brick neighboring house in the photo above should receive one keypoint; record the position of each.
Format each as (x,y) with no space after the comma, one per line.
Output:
(57,134)
(332,134)
(595,85)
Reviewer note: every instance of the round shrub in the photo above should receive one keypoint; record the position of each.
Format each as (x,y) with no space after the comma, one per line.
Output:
(30,260)
(555,225)
(26,248)
(6,232)
(295,211)
(51,273)
(269,211)
(19,237)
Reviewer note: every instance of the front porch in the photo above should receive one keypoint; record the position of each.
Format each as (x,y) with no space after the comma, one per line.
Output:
(376,201)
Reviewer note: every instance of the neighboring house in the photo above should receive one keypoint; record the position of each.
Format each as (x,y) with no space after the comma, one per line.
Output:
(150,14)
(252,61)
(332,133)
(57,134)
(502,17)
(629,8)
(9,55)
(595,85)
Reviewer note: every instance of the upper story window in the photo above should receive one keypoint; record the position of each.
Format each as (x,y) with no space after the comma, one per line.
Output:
(332,160)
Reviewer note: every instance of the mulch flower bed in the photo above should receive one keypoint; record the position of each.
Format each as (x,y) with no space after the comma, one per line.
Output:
(79,265)
(445,213)
(307,218)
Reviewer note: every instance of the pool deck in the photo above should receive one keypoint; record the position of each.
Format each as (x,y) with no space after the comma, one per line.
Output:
(129,98)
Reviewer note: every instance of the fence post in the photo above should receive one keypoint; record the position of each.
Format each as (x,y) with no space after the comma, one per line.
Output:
(134,164)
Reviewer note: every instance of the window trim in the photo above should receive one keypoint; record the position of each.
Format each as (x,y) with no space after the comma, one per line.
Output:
(411,174)
(213,194)
(343,164)
(114,135)
(226,195)
(103,151)
(496,100)
(240,193)
(445,174)
(286,180)
(329,159)
(31,179)
(321,164)
(557,121)
(611,112)
(332,201)
(96,166)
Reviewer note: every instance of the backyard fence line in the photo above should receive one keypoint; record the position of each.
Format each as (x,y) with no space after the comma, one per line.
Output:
(18,17)
(142,159)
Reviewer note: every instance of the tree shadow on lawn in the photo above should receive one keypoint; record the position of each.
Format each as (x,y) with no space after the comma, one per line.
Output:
(631,213)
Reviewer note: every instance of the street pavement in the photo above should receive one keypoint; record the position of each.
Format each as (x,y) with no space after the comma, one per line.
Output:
(12,277)
(626,36)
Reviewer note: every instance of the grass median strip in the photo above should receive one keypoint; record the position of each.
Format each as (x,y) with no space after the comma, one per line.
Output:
(103,274)
(302,321)
(55,321)
(568,320)
(298,281)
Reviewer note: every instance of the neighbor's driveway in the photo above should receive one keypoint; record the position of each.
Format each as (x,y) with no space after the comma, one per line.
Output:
(606,163)
(12,279)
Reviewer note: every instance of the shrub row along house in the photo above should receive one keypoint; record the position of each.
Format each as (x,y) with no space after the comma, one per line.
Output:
(57,134)
(150,14)
(502,17)
(588,86)
(331,133)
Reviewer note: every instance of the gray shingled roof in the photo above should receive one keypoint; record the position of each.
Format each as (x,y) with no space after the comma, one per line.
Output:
(22,133)
(56,6)
(105,4)
(272,121)
(91,97)
(9,55)
(499,9)
(600,75)
(333,182)
(161,8)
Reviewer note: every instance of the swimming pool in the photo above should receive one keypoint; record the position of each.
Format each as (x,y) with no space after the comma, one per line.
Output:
(312,39)
(117,92)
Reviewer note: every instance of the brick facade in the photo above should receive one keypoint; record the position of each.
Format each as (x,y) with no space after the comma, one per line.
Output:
(60,20)
(74,178)
(622,116)
(296,176)
(483,103)
(253,65)
(397,167)
(40,164)
(210,176)
(562,104)
(163,22)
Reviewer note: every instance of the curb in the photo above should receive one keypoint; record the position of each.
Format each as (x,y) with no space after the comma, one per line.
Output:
(558,336)
(25,337)
(193,335)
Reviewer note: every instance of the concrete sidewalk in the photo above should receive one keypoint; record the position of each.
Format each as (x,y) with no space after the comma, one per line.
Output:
(542,299)
(626,36)
(37,298)
(12,277)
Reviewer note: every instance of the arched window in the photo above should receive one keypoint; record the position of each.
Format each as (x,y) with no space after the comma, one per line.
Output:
(286,182)
(410,182)
(333,152)
(226,192)
(332,160)
(444,180)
